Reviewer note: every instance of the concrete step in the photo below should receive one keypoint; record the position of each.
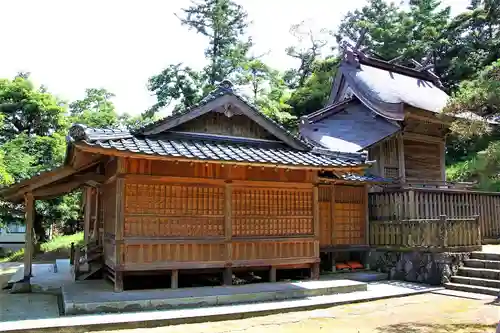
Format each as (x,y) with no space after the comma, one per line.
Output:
(479,263)
(482,273)
(476,281)
(485,256)
(472,289)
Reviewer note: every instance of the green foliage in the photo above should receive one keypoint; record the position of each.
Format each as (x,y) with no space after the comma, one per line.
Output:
(313,95)
(223,23)
(175,83)
(483,168)
(95,110)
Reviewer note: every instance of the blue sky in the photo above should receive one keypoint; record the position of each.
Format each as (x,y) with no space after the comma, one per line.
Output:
(118,44)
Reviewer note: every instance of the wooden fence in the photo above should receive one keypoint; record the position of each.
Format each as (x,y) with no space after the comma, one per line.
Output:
(429,203)
(443,234)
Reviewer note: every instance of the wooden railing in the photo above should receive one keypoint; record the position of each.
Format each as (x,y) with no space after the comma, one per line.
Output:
(431,183)
(443,234)
(428,203)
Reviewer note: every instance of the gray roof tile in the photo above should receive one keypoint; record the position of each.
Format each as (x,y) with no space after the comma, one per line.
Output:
(203,149)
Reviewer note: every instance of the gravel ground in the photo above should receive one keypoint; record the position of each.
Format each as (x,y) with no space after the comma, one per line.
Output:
(427,313)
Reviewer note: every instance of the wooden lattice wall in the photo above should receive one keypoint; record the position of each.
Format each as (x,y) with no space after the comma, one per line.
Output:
(175,223)
(343,215)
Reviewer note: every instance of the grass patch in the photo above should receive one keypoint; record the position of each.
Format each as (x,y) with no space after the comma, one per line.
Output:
(57,248)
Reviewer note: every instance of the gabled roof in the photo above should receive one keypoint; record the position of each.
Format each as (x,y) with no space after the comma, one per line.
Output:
(348,126)
(385,87)
(226,96)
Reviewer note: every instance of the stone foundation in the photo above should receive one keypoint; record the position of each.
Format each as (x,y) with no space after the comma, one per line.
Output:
(424,267)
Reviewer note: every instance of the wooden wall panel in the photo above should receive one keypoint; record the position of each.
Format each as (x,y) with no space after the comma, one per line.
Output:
(268,250)
(174,252)
(173,210)
(349,218)
(218,123)
(258,211)
(325,215)
(422,160)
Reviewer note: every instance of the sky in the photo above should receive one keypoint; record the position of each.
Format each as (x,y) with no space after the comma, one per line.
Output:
(69,46)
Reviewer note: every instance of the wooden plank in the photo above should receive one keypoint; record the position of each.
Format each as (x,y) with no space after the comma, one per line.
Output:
(29,206)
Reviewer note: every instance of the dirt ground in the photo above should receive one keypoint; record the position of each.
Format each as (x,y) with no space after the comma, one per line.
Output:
(415,314)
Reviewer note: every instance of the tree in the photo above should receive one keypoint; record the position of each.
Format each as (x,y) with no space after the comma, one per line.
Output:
(306,54)
(175,83)
(474,36)
(257,75)
(316,90)
(25,109)
(224,23)
(95,110)
(390,31)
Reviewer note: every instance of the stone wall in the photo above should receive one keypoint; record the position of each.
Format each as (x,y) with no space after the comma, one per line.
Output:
(423,267)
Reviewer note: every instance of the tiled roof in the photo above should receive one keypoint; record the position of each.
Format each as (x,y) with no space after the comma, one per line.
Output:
(218,150)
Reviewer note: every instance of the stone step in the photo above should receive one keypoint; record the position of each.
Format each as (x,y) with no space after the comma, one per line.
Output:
(476,281)
(479,263)
(485,256)
(472,289)
(482,273)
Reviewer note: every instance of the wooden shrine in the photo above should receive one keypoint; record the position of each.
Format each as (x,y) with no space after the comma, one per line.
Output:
(216,187)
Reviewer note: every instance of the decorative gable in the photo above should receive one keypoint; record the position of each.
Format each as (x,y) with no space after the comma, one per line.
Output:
(225,113)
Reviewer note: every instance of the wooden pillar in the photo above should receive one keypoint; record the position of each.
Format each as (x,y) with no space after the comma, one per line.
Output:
(316,222)
(87,214)
(272,274)
(119,224)
(442,150)
(174,279)
(401,158)
(228,276)
(381,164)
(228,232)
(29,204)
(95,215)
(367,216)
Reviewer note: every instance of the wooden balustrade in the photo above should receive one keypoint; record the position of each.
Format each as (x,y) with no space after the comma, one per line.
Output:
(443,234)
(428,204)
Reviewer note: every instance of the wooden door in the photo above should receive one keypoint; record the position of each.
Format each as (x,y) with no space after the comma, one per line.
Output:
(349,215)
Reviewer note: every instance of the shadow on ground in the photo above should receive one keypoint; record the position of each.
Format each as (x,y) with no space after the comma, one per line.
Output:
(437,328)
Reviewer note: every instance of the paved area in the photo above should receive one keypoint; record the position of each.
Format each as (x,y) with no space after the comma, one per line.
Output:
(427,313)
(97,296)
(85,323)
(491,248)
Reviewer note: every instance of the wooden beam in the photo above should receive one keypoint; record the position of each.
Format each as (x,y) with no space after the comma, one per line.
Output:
(442,150)
(29,204)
